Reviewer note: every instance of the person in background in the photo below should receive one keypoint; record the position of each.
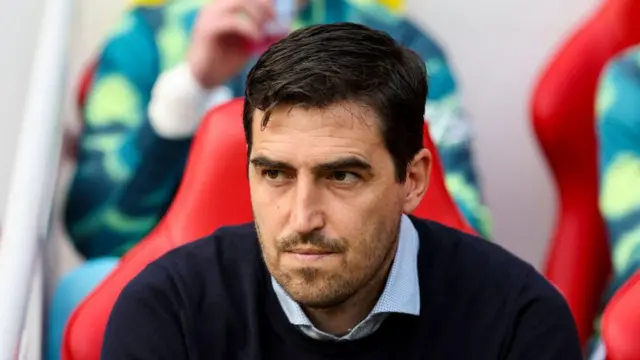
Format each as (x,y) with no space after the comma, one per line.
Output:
(396,6)
(165,65)
(333,266)
(618,134)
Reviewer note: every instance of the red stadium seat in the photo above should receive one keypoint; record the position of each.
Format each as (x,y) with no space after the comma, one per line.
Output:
(70,134)
(86,80)
(621,322)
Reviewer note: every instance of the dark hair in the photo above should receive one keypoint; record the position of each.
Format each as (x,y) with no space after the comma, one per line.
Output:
(321,65)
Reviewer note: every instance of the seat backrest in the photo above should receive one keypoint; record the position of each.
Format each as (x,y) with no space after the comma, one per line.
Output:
(70,133)
(84,85)
(563,120)
(214,192)
(621,322)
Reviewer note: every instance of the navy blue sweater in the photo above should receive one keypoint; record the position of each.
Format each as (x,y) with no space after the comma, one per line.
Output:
(213,299)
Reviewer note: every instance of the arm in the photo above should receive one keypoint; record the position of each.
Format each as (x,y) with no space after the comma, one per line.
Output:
(145,323)
(134,143)
(450,129)
(618,133)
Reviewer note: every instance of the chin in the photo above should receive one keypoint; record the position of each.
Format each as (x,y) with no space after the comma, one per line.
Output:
(307,277)
(312,288)
(320,301)
(313,297)
(301,280)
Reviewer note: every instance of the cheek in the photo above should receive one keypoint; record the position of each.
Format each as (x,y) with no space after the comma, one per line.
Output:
(368,221)
(268,216)
(355,210)
(373,241)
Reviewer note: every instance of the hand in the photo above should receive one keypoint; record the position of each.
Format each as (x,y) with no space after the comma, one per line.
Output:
(222,37)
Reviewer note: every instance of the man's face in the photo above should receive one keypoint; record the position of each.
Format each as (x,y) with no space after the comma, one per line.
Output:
(325,198)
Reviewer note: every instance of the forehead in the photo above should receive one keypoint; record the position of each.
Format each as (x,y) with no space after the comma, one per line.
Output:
(299,132)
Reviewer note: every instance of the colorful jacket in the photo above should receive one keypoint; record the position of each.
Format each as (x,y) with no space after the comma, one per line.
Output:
(618,133)
(127,175)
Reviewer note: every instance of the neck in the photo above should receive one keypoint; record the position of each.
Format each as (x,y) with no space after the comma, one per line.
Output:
(340,319)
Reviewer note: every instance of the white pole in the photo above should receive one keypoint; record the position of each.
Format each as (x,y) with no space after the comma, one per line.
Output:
(25,226)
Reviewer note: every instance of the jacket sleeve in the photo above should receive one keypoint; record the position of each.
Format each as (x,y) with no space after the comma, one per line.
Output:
(618,135)
(146,322)
(126,173)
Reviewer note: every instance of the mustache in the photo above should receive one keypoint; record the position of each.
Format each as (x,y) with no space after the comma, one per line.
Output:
(315,239)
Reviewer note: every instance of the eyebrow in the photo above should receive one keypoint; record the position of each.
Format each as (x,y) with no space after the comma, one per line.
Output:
(265,162)
(349,162)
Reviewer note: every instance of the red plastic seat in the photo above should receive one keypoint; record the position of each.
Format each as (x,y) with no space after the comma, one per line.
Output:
(84,85)
(214,192)
(621,322)
(563,105)
(70,136)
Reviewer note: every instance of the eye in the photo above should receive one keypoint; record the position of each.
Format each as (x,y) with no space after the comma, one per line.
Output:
(274,175)
(344,177)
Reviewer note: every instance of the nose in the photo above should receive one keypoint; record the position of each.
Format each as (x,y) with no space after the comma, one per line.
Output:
(306,213)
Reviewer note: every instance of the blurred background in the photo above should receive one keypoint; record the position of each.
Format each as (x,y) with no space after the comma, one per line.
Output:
(498,50)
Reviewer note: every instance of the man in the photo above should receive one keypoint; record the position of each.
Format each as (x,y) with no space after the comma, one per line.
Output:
(332,268)
(160,71)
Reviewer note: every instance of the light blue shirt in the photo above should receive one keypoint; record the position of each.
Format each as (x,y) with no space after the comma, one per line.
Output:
(401,293)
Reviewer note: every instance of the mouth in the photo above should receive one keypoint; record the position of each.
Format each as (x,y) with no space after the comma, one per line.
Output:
(310,251)
(310,254)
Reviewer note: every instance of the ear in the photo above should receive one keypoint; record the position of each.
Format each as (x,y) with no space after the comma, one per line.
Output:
(415,186)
